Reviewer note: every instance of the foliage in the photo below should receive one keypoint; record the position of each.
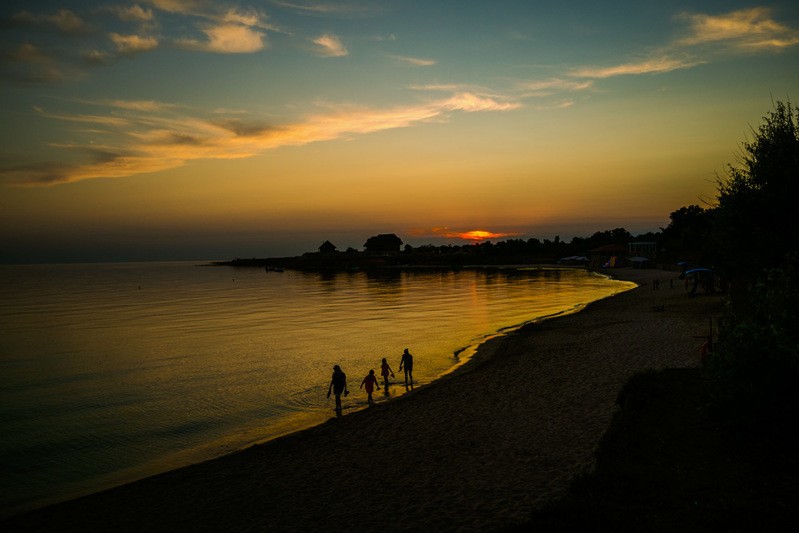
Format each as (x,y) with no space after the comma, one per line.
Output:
(688,233)
(755,221)
(614,236)
(756,365)
(756,240)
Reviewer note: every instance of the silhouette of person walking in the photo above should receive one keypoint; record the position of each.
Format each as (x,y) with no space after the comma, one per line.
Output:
(407,363)
(370,381)
(338,384)
(385,370)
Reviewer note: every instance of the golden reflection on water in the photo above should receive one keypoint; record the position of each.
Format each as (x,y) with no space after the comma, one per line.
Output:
(116,371)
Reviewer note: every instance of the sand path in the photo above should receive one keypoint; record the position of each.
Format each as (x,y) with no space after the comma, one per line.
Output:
(477,450)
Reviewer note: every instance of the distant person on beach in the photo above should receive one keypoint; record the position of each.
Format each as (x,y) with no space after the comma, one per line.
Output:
(370,381)
(338,385)
(407,363)
(385,370)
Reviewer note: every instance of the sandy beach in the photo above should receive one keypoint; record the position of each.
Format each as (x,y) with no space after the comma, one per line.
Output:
(478,450)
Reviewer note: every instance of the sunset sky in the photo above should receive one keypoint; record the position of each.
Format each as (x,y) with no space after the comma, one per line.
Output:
(192,129)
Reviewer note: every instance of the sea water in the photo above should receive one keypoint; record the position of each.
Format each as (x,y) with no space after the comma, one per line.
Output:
(112,372)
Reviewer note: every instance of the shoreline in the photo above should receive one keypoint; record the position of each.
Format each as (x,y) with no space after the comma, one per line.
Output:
(474,450)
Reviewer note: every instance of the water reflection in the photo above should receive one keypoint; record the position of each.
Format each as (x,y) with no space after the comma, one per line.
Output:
(194,364)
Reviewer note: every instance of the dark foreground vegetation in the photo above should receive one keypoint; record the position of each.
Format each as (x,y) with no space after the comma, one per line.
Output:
(715,449)
(666,465)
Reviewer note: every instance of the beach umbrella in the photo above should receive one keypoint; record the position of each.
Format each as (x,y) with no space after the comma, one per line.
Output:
(695,270)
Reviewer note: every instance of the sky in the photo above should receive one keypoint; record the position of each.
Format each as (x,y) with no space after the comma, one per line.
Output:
(192,129)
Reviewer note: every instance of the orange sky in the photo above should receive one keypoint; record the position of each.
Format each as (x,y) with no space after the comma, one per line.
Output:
(196,130)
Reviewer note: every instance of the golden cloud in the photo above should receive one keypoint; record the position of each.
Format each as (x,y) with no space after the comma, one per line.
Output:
(150,141)
(648,66)
(416,61)
(330,46)
(745,28)
(131,44)
(132,13)
(227,38)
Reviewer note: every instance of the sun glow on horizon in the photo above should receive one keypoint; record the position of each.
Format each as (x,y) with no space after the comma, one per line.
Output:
(476,235)
(481,235)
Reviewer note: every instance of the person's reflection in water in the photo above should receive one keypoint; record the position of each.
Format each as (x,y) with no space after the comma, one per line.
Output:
(407,363)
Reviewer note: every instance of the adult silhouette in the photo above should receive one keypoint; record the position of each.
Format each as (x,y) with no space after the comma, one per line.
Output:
(406,363)
(338,385)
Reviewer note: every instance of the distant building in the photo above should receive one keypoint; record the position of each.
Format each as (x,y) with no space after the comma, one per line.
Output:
(648,250)
(612,255)
(383,243)
(327,247)
(642,254)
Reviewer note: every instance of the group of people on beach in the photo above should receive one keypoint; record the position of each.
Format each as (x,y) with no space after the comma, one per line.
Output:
(338,383)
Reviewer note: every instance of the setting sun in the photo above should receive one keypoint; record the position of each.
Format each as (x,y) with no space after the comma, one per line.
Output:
(480,235)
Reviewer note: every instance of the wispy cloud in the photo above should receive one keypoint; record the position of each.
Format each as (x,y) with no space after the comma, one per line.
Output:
(151,141)
(329,45)
(134,13)
(472,102)
(548,87)
(29,64)
(458,88)
(133,44)
(136,105)
(184,7)
(97,57)
(98,120)
(216,12)
(341,9)
(563,103)
(415,61)
(64,20)
(647,66)
(752,28)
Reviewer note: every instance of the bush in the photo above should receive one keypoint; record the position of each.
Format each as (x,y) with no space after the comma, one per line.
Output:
(755,368)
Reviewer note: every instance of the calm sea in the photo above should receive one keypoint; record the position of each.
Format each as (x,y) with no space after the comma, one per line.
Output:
(112,372)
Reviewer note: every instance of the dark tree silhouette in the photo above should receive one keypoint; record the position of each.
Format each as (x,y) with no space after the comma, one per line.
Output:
(756,364)
(758,202)
(687,235)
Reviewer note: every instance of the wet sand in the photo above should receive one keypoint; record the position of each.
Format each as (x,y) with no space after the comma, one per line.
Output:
(479,449)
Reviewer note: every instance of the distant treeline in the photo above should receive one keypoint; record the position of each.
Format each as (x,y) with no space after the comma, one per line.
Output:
(510,251)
